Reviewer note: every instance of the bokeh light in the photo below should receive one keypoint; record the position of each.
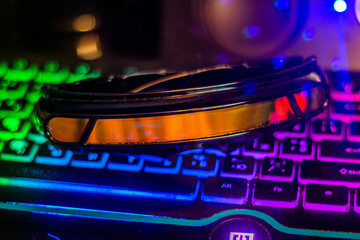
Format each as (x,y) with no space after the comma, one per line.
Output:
(335,64)
(223,58)
(282,4)
(309,33)
(252,31)
(278,61)
(340,5)
(88,47)
(84,23)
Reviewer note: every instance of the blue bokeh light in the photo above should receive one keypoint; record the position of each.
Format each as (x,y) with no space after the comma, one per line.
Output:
(282,4)
(340,5)
(309,34)
(278,61)
(252,31)
(335,64)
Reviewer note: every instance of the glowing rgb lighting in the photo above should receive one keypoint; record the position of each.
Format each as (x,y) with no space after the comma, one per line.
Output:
(340,5)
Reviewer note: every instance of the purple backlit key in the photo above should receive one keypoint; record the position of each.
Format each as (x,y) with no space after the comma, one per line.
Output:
(331,173)
(299,130)
(333,151)
(297,149)
(346,111)
(328,129)
(225,190)
(277,169)
(326,198)
(261,147)
(353,131)
(239,167)
(275,194)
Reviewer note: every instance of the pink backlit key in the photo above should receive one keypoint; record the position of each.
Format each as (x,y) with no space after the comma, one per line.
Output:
(326,198)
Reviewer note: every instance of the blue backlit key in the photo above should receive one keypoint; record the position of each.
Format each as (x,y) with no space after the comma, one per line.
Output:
(225,190)
(239,167)
(200,164)
(125,162)
(89,159)
(51,155)
(170,165)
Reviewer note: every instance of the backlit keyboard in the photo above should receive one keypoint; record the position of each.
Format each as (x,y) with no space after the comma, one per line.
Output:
(299,182)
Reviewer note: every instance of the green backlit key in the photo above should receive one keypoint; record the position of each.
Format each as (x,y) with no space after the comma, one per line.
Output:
(20,109)
(52,74)
(13,128)
(19,151)
(21,71)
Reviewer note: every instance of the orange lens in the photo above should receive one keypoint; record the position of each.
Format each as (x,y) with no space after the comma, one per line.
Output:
(185,126)
(67,130)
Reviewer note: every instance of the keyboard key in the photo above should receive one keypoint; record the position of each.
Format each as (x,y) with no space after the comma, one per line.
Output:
(333,151)
(330,173)
(239,167)
(276,194)
(297,149)
(346,111)
(327,129)
(298,130)
(15,91)
(100,181)
(353,131)
(170,165)
(51,155)
(261,147)
(326,198)
(89,159)
(200,164)
(125,162)
(277,169)
(225,190)
(19,109)
(357,201)
(19,151)
(13,128)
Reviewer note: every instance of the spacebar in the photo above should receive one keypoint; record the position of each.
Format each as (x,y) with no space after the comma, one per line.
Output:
(101,181)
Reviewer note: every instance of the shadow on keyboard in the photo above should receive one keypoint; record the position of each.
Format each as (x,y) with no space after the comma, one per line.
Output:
(299,182)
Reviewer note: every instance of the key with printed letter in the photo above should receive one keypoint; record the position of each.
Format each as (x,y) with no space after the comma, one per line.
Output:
(275,194)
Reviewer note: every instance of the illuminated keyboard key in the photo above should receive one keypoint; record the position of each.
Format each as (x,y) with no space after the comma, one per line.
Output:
(297,149)
(98,182)
(125,162)
(239,167)
(327,129)
(51,155)
(353,131)
(298,130)
(326,198)
(276,194)
(357,201)
(19,151)
(346,111)
(89,159)
(277,169)
(330,173)
(13,128)
(170,165)
(334,151)
(200,164)
(261,147)
(225,190)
